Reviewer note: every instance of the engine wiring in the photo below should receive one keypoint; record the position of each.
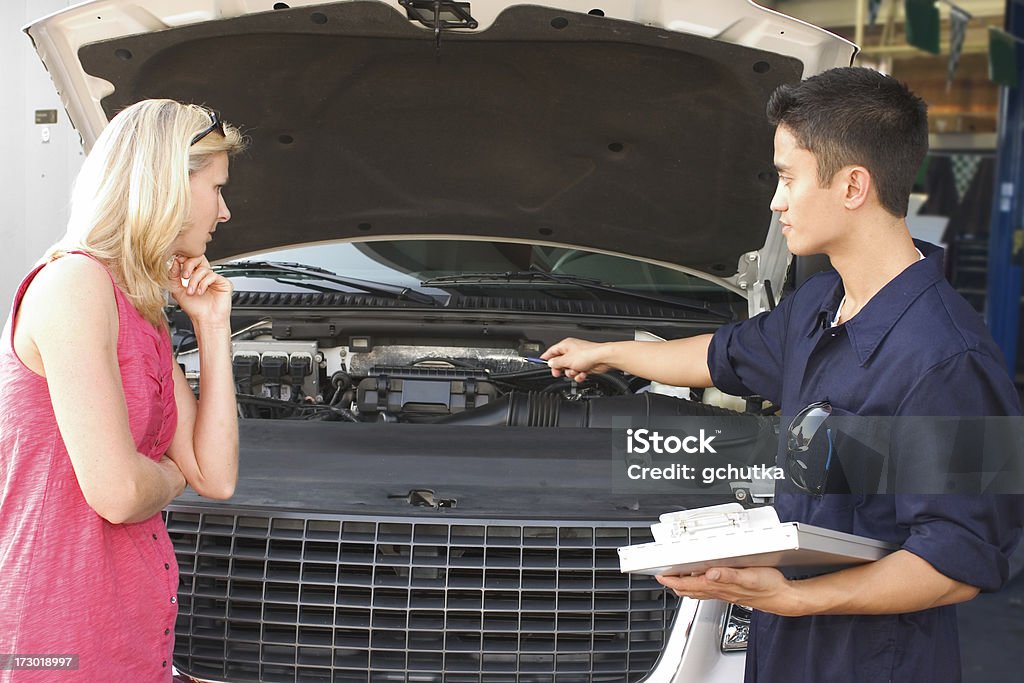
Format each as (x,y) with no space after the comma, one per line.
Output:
(249,332)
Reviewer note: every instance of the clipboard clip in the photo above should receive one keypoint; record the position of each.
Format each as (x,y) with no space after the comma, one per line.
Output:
(676,526)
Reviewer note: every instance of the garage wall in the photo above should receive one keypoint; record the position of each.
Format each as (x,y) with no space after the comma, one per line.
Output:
(35,176)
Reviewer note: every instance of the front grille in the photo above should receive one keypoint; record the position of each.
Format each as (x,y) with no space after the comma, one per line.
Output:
(289,597)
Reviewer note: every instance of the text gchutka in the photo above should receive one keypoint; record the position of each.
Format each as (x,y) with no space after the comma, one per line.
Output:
(644,441)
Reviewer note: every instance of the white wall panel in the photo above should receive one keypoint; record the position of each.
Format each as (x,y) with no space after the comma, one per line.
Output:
(35,176)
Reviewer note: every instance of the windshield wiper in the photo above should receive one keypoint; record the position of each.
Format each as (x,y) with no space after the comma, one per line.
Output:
(266,268)
(528,276)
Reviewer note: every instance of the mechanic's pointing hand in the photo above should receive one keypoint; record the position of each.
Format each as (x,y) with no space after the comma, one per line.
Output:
(576,358)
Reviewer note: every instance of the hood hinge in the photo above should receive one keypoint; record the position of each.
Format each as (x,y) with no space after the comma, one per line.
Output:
(439,15)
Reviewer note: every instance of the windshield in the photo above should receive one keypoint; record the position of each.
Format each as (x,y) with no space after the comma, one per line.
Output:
(408,263)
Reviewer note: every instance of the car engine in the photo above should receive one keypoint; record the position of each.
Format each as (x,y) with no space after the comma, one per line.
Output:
(372,380)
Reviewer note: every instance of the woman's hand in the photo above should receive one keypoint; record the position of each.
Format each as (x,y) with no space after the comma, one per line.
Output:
(205,443)
(575,358)
(173,474)
(207,297)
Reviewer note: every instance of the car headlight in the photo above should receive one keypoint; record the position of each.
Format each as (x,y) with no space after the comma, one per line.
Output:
(736,628)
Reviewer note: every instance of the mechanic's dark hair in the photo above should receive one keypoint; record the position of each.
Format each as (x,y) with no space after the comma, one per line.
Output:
(854,115)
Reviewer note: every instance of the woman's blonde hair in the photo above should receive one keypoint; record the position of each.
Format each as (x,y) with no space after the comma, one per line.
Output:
(132,198)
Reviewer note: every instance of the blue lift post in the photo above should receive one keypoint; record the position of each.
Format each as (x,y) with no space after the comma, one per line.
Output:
(1006,239)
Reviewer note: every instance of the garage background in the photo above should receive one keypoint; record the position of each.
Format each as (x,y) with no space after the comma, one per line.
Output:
(35,176)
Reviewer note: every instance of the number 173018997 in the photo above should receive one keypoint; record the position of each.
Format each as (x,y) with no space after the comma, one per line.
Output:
(39,662)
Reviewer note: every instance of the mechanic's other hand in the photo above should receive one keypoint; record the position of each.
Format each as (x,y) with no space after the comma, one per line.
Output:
(207,296)
(763,588)
(575,358)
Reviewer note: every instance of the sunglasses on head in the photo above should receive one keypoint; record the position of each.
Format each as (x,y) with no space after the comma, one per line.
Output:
(215,125)
(809,448)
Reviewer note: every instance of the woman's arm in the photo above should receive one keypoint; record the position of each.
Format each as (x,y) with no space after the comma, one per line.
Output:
(70,316)
(205,444)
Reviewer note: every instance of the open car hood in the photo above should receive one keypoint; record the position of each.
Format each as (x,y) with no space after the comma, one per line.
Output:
(641,132)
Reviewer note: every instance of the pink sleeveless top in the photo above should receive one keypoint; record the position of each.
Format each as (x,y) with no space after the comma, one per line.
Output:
(72,583)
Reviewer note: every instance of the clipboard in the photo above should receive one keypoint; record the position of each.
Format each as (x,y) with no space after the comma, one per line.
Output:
(693,541)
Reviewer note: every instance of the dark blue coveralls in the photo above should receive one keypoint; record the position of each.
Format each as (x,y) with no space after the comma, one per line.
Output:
(915,349)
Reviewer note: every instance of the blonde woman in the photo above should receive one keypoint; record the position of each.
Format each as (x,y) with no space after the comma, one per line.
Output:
(99,429)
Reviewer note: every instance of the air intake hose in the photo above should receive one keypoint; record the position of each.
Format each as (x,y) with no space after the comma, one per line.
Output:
(536,409)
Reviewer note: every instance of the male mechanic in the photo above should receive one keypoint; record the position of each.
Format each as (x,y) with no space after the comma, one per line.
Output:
(883,335)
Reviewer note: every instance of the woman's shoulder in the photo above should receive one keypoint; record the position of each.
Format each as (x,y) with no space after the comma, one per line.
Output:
(74,285)
(73,270)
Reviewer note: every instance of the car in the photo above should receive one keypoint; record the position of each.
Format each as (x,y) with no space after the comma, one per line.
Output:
(435,193)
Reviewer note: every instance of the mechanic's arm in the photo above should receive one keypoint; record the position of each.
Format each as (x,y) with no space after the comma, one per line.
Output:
(678,362)
(205,444)
(898,583)
(71,319)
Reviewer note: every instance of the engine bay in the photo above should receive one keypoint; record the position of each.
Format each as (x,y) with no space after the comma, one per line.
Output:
(392,378)
(359,372)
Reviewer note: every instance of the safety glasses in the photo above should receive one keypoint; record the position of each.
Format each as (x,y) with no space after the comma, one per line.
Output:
(809,448)
(215,125)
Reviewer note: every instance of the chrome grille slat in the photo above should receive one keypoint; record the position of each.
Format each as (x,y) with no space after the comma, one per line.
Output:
(279,596)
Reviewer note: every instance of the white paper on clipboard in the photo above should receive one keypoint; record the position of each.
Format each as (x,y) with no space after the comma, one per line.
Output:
(693,541)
